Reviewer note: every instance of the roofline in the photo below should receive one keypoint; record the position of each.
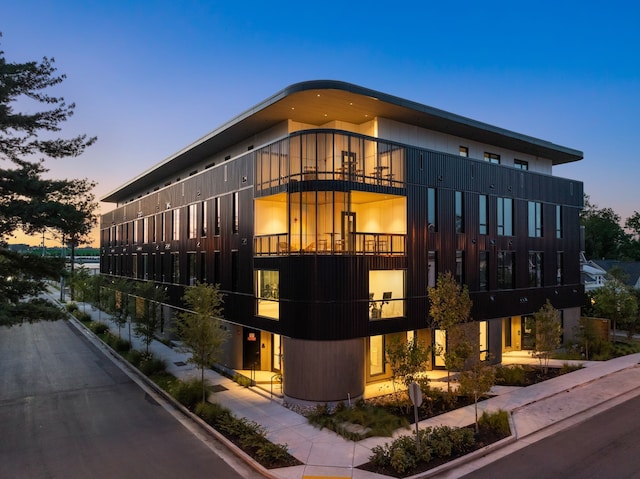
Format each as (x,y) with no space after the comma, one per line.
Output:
(564,153)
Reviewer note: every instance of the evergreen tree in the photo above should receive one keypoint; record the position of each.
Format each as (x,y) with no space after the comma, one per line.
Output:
(28,201)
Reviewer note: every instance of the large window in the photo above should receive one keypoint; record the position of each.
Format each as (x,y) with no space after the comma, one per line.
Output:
(386,294)
(505,216)
(505,269)
(267,293)
(482,214)
(535,219)
(535,269)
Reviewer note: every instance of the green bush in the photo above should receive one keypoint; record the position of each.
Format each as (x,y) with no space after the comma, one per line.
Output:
(72,307)
(82,316)
(119,344)
(513,375)
(211,413)
(188,393)
(135,357)
(440,441)
(242,380)
(150,365)
(497,421)
(98,327)
(269,453)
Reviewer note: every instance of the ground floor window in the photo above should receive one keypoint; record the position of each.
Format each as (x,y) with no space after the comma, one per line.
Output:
(376,355)
(484,340)
(277,352)
(440,347)
(267,293)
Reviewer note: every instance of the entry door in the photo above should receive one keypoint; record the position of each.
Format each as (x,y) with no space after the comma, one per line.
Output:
(528,333)
(251,349)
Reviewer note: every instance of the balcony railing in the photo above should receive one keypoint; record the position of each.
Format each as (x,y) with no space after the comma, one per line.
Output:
(329,243)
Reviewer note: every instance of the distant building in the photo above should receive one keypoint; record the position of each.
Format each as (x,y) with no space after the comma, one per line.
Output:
(593,275)
(326,211)
(631,270)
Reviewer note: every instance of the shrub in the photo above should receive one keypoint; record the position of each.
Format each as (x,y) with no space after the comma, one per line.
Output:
(211,413)
(99,328)
(135,357)
(188,393)
(71,307)
(440,441)
(119,344)
(497,421)
(513,375)
(270,453)
(150,365)
(242,380)
(82,316)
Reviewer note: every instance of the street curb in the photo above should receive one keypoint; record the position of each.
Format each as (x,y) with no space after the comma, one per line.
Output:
(139,377)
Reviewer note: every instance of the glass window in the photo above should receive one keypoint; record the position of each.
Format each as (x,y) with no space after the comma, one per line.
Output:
(535,219)
(192,221)
(432,271)
(431,209)
(459,211)
(492,158)
(203,219)
(191,269)
(145,230)
(267,293)
(521,165)
(134,265)
(505,269)
(483,268)
(535,269)
(386,294)
(175,268)
(175,226)
(460,267)
(236,224)
(560,268)
(484,340)
(136,227)
(482,214)
(217,213)
(505,217)
(558,221)
(464,151)
(376,355)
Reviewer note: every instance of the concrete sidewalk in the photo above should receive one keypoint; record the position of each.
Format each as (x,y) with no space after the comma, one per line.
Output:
(324,454)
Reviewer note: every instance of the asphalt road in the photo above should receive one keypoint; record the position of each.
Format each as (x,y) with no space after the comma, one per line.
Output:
(67,411)
(604,446)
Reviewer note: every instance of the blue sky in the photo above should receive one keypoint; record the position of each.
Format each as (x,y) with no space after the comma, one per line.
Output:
(150,77)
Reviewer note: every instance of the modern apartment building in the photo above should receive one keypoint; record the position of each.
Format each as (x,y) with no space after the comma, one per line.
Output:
(326,211)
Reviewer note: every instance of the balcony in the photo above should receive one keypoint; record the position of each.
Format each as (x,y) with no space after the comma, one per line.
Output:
(380,244)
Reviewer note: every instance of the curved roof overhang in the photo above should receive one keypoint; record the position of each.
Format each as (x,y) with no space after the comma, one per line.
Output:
(320,101)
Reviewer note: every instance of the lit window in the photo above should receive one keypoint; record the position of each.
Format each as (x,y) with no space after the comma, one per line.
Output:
(492,158)
(386,294)
(464,151)
(175,225)
(268,293)
(192,221)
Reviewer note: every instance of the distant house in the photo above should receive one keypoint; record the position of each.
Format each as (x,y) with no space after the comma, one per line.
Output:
(592,275)
(630,268)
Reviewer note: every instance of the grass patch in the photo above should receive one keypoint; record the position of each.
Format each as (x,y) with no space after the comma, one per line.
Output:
(357,422)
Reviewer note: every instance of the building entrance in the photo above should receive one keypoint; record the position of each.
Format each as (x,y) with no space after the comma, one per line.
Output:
(251,349)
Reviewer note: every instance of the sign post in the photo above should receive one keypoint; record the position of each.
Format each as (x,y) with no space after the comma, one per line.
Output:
(415,394)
